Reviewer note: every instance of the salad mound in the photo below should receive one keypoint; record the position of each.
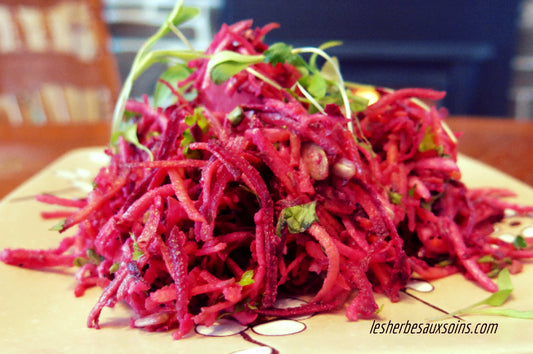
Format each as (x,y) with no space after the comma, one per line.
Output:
(256,174)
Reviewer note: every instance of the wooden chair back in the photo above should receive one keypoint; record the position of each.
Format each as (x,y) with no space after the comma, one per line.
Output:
(56,66)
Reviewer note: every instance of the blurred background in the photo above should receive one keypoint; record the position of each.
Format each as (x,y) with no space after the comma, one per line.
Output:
(480,52)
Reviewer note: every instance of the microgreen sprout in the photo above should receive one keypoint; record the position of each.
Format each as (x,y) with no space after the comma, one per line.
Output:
(146,56)
(318,87)
(487,306)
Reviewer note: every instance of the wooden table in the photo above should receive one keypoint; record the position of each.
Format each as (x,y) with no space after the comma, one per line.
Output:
(26,150)
(503,143)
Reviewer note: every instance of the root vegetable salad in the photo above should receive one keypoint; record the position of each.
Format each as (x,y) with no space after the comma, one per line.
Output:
(265,175)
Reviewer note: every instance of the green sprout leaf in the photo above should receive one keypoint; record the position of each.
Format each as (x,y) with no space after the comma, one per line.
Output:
(445,263)
(520,243)
(128,131)
(184,14)
(59,226)
(197,118)
(327,64)
(525,315)
(428,143)
(223,71)
(186,140)
(283,53)
(94,257)
(225,64)
(145,57)
(163,96)
(395,197)
(114,268)
(329,69)
(137,253)
(357,103)
(235,116)
(315,84)
(379,309)
(247,278)
(297,218)
(80,261)
(278,53)
(486,259)
(505,288)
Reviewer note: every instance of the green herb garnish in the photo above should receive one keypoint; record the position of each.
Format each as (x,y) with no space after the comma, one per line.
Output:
(394,197)
(520,242)
(197,118)
(59,226)
(247,278)
(114,268)
(80,261)
(137,253)
(94,257)
(486,259)
(235,116)
(297,218)
(428,143)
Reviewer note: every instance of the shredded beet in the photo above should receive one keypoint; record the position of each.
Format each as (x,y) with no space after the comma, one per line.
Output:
(223,217)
